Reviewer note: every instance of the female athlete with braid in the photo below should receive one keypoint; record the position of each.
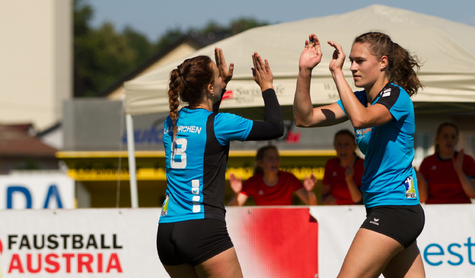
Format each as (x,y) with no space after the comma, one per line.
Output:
(383,117)
(192,239)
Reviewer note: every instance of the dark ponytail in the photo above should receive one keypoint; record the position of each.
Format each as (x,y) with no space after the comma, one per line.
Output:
(188,82)
(175,87)
(401,63)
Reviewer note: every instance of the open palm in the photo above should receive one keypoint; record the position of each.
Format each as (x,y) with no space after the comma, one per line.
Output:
(236,183)
(225,72)
(338,58)
(309,183)
(312,53)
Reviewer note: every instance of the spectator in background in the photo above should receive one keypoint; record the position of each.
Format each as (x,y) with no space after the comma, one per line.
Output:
(447,176)
(343,174)
(269,186)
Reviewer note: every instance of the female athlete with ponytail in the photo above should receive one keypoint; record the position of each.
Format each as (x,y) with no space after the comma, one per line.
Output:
(383,117)
(192,238)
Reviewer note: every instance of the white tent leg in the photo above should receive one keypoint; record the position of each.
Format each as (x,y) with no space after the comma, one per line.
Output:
(131,150)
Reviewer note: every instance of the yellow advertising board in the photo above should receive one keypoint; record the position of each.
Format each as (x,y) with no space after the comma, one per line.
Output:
(104,166)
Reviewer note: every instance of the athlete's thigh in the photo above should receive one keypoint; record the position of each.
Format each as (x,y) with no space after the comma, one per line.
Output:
(197,241)
(368,255)
(407,263)
(180,271)
(223,265)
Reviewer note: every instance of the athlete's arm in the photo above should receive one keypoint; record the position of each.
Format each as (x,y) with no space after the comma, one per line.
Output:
(469,187)
(308,197)
(359,115)
(218,103)
(306,193)
(422,186)
(225,72)
(326,197)
(238,199)
(304,113)
(468,184)
(273,125)
(355,192)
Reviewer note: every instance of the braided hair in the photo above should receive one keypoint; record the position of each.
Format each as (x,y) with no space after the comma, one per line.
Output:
(188,82)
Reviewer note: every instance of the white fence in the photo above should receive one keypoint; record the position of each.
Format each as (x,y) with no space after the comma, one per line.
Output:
(36,191)
(270,242)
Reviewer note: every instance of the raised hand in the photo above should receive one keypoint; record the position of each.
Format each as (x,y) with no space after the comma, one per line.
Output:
(458,161)
(349,171)
(261,72)
(338,58)
(236,184)
(309,183)
(329,201)
(225,72)
(311,54)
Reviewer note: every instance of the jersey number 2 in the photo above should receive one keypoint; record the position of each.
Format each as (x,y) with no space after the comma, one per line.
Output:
(179,148)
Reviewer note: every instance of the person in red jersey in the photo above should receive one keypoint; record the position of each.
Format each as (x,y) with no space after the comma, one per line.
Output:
(343,174)
(447,176)
(269,186)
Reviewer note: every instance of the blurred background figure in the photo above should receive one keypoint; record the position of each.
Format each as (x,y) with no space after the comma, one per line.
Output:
(343,174)
(269,186)
(447,176)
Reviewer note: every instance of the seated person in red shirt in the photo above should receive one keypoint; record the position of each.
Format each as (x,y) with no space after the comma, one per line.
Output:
(447,176)
(269,186)
(343,174)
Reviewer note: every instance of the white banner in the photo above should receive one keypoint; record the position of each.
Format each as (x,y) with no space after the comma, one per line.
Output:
(122,242)
(446,243)
(36,191)
(79,243)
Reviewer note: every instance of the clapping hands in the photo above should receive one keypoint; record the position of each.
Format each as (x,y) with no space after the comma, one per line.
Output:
(309,183)
(312,53)
(261,72)
(236,183)
(225,72)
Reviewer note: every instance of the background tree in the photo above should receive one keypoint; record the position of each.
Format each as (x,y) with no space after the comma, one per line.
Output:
(102,56)
(169,38)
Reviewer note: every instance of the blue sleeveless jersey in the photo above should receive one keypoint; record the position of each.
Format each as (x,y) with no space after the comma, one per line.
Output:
(196,163)
(389,178)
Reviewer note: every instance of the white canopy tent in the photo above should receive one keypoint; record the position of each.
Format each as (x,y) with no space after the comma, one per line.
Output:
(446,49)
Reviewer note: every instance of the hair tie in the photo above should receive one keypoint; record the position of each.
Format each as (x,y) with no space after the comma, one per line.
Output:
(180,69)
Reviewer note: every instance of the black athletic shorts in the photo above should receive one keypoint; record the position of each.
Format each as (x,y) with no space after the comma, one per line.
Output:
(192,241)
(402,223)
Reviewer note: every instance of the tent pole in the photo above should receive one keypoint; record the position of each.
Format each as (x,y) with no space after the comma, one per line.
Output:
(131,151)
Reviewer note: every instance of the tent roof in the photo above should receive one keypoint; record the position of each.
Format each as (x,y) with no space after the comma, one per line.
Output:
(446,49)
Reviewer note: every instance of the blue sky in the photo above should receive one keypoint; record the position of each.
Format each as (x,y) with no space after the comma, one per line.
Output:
(153,17)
